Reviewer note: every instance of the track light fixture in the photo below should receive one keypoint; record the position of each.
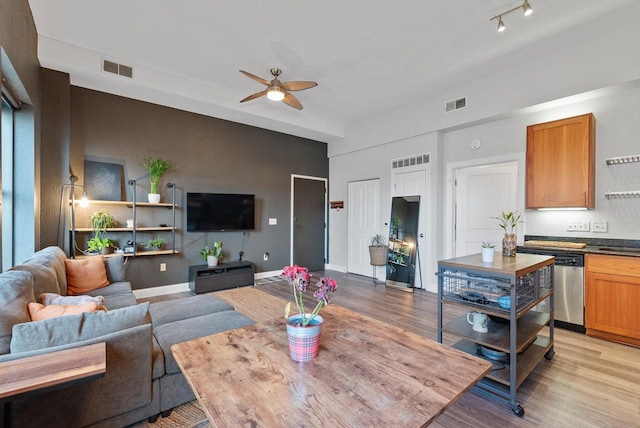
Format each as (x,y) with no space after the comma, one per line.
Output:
(526,10)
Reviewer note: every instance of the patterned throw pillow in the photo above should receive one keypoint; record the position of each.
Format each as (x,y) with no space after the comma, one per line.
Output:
(56,299)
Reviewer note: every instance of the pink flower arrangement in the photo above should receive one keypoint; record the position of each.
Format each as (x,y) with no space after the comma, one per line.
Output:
(299,279)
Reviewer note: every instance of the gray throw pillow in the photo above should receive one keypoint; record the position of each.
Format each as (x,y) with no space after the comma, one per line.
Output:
(44,277)
(76,328)
(16,291)
(115,268)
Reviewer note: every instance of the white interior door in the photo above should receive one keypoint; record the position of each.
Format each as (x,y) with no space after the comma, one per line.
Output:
(363,207)
(482,192)
(415,183)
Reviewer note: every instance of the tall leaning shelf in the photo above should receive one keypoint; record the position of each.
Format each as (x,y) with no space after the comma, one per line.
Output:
(515,328)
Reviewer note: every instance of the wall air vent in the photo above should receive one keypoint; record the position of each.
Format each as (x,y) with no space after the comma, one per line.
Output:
(115,68)
(455,104)
(410,161)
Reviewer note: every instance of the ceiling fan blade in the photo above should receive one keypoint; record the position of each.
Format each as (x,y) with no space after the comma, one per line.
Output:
(299,85)
(254,77)
(292,101)
(254,96)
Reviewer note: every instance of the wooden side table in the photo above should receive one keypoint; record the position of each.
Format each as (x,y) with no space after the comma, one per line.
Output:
(45,372)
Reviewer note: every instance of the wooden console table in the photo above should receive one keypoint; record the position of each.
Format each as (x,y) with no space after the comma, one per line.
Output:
(368,373)
(49,371)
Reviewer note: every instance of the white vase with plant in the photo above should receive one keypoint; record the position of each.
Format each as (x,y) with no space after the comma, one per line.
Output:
(212,254)
(488,252)
(508,222)
(156,169)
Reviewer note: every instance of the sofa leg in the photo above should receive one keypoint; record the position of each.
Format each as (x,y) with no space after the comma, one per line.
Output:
(166,413)
(152,419)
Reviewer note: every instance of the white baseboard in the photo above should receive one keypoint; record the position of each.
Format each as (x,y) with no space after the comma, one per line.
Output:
(161,290)
(338,268)
(269,274)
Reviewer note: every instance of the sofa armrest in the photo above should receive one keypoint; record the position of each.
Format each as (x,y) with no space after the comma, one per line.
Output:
(127,384)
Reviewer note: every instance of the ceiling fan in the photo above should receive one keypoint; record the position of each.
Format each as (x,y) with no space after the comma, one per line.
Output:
(277,90)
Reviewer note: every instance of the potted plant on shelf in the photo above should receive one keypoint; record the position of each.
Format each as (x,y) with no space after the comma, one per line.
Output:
(212,254)
(100,245)
(156,169)
(100,221)
(508,222)
(488,252)
(155,244)
(378,250)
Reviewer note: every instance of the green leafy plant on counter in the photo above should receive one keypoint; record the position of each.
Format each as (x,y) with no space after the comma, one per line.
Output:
(509,221)
(155,244)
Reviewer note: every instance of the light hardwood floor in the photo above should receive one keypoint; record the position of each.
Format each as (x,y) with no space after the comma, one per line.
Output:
(589,382)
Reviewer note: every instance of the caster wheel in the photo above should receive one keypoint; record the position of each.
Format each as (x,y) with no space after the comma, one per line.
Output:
(549,355)
(517,410)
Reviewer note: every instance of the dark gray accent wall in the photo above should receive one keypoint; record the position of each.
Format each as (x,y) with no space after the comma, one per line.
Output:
(211,155)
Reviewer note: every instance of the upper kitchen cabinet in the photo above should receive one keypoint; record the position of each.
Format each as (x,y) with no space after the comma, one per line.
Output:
(561,163)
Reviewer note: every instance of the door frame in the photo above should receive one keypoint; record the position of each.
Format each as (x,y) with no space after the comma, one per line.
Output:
(291,214)
(450,197)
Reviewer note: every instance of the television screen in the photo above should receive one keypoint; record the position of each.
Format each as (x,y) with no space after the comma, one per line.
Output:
(211,212)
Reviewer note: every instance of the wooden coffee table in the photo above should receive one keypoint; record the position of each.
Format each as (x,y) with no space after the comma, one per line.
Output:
(368,373)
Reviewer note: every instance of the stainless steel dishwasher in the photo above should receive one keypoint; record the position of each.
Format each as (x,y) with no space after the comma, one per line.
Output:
(568,284)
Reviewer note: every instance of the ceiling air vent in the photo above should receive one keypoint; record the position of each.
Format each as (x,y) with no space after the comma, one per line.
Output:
(410,161)
(115,68)
(456,104)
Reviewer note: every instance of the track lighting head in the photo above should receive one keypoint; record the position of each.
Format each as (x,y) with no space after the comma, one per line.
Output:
(501,26)
(526,9)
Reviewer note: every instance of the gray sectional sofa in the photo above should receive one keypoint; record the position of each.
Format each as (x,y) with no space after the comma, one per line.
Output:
(142,379)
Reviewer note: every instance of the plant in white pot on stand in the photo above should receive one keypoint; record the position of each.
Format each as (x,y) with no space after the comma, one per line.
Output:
(211,254)
(156,169)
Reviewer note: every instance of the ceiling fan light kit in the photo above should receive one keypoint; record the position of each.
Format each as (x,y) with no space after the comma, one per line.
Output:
(277,90)
(526,11)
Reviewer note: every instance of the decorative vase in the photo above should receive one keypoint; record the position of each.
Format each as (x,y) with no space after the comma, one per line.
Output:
(212,261)
(488,254)
(303,341)
(154,198)
(509,245)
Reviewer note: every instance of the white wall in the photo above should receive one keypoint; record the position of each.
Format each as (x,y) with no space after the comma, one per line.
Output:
(596,73)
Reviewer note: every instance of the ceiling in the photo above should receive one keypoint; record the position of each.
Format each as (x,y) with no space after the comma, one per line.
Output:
(368,56)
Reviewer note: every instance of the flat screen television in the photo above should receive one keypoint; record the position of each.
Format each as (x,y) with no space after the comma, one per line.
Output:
(214,212)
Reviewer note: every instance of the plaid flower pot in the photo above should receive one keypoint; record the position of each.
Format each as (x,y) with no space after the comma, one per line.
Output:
(303,341)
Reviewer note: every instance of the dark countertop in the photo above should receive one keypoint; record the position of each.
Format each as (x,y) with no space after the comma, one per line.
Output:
(614,247)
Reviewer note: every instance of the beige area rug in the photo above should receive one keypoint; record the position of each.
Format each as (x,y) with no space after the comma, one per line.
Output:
(257,305)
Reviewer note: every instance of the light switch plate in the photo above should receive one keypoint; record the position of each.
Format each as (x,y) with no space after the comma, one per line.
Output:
(273,221)
(578,226)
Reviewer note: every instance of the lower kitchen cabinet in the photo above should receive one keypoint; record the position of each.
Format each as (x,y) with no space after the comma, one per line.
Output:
(612,298)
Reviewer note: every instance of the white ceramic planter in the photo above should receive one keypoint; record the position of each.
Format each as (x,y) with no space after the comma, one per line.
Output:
(154,198)
(212,261)
(488,255)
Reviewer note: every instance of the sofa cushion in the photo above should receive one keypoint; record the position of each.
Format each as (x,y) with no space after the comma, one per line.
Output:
(39,312)
(114,289)
(119,301)
(53,257)
(76,328)
(115,268)
(178,309)
(56,299)
(44,276)
(192,328)
(16,292)
(85,274)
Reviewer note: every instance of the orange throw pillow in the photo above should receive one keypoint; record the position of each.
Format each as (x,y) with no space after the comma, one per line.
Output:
(85,275)
(39,312)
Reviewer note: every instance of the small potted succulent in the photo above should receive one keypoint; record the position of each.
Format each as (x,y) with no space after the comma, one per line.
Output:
(488,252)
(212,254)
(155,244)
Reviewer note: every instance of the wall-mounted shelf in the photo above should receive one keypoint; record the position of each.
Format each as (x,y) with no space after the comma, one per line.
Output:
(621,195)
(620,160)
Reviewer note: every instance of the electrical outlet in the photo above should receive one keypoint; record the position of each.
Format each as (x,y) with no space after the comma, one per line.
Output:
(265,256)
(578,226)
(163,267)
(599,227)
